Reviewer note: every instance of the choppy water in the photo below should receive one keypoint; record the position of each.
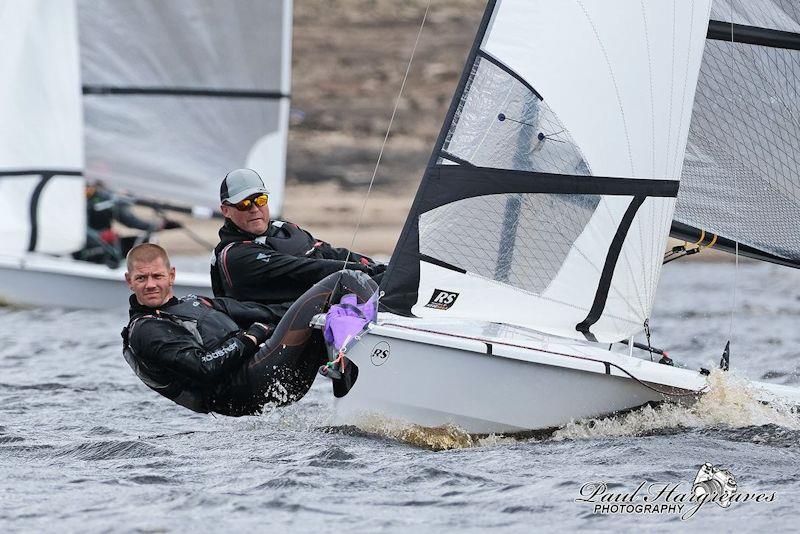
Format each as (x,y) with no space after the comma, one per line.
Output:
(85,447)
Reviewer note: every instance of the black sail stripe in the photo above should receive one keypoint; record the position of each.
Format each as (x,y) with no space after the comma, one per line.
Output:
(455,159)
(449,183)
(29,172)
(440,263)
(739,33)
(603,287)
(104,90)
(34,209)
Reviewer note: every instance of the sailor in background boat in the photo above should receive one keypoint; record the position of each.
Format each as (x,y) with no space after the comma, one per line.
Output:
(270,261)
(220,355)
(103,244)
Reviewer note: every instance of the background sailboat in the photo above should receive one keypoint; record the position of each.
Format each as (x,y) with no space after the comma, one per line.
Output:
(159,99)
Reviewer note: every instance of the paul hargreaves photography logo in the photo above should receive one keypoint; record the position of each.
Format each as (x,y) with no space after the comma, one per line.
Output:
(711,485)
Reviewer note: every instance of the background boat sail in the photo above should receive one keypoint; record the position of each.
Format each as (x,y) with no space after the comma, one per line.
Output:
(158,98)
(546,205)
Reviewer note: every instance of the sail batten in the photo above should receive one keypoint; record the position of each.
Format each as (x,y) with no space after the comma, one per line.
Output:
(550,190)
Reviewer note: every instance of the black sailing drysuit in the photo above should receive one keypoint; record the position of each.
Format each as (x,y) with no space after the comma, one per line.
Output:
(194,350)
(279,265)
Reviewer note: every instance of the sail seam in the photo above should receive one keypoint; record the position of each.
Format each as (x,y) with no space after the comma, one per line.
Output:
(614,81)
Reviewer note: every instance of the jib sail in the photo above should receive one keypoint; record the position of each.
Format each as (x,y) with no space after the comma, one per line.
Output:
(552,186)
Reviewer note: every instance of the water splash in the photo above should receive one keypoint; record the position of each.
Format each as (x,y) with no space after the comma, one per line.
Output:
(440,438)
(731,401)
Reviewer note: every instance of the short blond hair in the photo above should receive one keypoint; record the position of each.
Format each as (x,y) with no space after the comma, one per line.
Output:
(146,252)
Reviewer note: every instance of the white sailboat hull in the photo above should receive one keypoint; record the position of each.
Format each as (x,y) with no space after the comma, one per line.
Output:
(39,280)
(486,386)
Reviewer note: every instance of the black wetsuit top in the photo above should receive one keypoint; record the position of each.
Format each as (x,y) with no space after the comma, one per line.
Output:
(194,352)
(278,266)
(190,349)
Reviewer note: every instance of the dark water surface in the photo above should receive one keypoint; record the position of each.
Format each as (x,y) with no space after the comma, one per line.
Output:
(84,446)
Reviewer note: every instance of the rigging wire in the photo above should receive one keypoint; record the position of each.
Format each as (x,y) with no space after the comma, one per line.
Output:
(386,137)
(735,223)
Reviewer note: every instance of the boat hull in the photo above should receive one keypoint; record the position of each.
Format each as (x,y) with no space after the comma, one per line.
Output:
(35,280)
(483,386)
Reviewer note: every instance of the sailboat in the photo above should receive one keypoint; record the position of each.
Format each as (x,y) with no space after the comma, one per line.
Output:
(157,98)
(535,242)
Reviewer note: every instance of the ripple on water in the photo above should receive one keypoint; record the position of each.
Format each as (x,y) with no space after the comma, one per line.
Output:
(770,434)
(103,431)
(153,479)
(46,386)
(283,482)
(331,457)
(111,450)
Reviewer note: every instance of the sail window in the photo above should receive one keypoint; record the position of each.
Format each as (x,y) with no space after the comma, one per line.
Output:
(476,235)
(502,123)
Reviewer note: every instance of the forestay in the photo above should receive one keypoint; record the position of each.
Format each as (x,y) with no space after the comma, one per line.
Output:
(741,175)
(178,93)
(552,186)
(42,202)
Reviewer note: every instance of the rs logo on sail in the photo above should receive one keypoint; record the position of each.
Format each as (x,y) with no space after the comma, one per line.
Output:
(442,300)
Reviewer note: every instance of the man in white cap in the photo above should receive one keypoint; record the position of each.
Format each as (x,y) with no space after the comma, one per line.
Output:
(261,260)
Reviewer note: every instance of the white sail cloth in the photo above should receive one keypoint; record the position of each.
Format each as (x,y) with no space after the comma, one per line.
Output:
(178,93)
(42,202)
(620,79)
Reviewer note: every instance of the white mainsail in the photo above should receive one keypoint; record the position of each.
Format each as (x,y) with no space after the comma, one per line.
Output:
(179,93)
(551,191)
(42,202)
